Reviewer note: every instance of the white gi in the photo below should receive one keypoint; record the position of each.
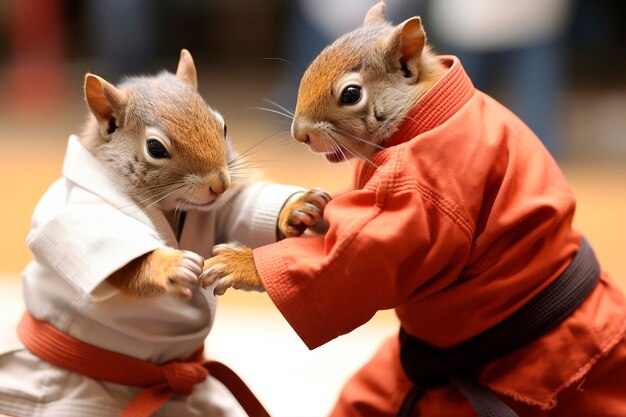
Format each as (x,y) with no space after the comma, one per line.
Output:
(83,230)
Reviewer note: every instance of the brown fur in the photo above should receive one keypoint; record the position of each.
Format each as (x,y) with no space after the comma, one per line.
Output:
(395,67)
(122,118)
(152,274)
(303,212)
(175,108)
(236,268)
(168,107)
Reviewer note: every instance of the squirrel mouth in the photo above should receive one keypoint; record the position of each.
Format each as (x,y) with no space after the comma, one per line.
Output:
(191,205)
(337,156)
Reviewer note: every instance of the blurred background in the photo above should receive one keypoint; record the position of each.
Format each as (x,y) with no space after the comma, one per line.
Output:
(560,65)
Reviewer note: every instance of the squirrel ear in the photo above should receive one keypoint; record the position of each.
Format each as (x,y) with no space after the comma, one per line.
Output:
(376,14)
(105,101)
(186,70)
(405,45)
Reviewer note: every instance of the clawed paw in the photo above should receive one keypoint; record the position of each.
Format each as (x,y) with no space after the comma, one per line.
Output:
(305,212)
(183,272)
(232,266)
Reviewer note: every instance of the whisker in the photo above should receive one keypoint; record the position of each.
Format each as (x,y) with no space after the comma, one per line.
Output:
(247,152)
(285,61)
(411,119)
(348,160)
(167,194)
(243,174)
(241,177)
(258,165)
(287,115)
(238,169)
(242,163)
(334,146)
(159,200)
(336,149)
(363,157)
(177,216)
(240,174)
(251,163)
(286,110)
(157,195)
(343,133)
(161,186)
(360,155)
(186,198)
(247,163)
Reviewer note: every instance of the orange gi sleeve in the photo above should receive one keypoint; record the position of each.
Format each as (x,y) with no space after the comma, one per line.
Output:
(384,247)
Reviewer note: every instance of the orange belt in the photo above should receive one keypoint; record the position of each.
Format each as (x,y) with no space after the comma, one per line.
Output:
(160,381)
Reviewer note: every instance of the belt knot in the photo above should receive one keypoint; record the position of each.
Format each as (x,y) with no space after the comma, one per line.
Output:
(181,377)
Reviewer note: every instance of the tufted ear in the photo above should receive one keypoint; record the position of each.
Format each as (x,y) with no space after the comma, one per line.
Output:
(106,102)
(376,14)
(405,45)
(186,70)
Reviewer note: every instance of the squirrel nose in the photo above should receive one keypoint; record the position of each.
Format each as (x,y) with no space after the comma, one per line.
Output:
(219,182)
(299,134)
(304,139)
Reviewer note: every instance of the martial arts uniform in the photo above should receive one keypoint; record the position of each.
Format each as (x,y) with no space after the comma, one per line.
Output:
(83,230)
(462,220)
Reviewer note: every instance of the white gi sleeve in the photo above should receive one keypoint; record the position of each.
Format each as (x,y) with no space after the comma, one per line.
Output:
(251,215)
(85,243)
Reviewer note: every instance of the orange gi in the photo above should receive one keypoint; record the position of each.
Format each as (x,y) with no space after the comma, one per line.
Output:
(461,221)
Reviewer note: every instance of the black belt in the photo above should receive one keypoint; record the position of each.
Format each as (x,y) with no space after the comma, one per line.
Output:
(428,367)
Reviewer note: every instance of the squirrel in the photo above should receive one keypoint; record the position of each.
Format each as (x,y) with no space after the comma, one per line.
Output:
(119,242)
(347,108)
(163,145)
(462,222)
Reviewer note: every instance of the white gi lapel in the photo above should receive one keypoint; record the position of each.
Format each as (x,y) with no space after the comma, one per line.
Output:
(83,169)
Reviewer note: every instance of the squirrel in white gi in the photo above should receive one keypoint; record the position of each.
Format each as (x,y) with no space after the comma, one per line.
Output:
(165,147)
(345,114)
(119,243)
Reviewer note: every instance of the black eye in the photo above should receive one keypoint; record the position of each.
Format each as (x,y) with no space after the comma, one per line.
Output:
(351,94)
(156,149)
(225,130)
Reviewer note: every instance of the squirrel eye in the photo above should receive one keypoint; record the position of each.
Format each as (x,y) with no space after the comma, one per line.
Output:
(225,130)
(156,149)
(351,94)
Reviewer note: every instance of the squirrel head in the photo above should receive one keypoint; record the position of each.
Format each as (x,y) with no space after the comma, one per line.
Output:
(158,138)
(358,89)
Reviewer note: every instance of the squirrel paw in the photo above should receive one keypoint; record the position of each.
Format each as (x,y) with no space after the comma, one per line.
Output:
(304,212)
(180,271)
(232,265)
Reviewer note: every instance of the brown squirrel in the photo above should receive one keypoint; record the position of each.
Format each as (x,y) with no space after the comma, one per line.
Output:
(165,146)
(118,245)
(347,108)
(461,221)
